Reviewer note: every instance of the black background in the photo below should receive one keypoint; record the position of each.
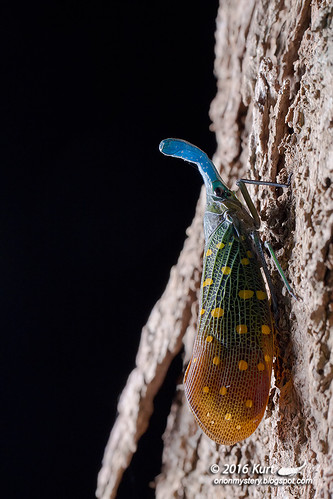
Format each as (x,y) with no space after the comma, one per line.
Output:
(92,218)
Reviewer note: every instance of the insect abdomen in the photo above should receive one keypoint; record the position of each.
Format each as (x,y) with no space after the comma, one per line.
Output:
(228,379)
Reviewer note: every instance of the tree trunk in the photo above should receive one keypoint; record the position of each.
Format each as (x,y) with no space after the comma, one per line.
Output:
(273,115)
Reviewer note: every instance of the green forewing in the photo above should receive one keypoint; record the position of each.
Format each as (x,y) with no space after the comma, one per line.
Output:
(228,379)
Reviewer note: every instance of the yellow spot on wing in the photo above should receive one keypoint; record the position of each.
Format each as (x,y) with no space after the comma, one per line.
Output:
(223,390)
(265,329)
(260,366)
(227,416)
(207,282)
(261,295)
(241,328)
(248,403)
(209,339)
(220,245)
(205,389)
(242,365)
(226,270)
(217,312)
(267,358)
(209,252)
(245,261)
(216,361)
(202,311)
(245,294)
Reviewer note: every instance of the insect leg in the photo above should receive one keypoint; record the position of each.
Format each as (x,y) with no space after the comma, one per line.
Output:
(260,252)
(248,200)
(263,182)
(241,184)
(245,193)
(278,266)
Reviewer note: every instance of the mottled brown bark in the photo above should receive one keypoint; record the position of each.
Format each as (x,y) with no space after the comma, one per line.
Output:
(273,115)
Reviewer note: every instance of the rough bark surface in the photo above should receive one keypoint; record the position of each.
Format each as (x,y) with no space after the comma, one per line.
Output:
(273,115)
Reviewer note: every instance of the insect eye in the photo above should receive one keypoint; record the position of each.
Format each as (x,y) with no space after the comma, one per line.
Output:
(219,192)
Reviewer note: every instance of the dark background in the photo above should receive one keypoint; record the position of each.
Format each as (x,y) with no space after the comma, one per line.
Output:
(92,218)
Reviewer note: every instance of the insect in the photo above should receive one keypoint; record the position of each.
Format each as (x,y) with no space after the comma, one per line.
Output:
(227,381)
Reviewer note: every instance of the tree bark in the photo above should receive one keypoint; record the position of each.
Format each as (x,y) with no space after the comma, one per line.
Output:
(273,115)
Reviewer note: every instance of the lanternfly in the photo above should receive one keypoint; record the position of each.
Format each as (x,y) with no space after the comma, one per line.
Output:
(227,381)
